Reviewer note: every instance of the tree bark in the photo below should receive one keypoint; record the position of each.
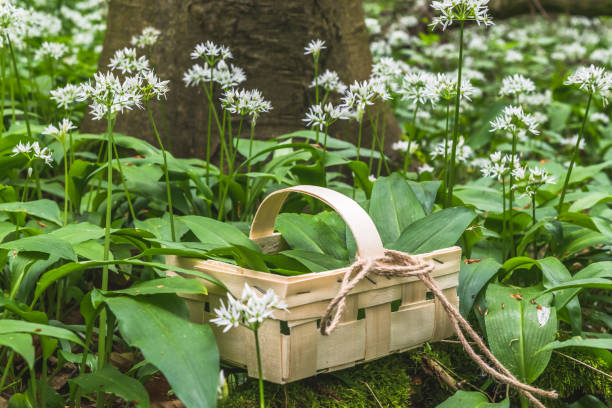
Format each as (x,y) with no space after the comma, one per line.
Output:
(591,8)
(267,39)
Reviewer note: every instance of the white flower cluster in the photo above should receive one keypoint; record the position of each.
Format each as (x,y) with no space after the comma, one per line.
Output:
(418,88)
(33,151)
(126,61)
(593,80)
(516,85)
(12,21)
(402,146)
(244,102)
(463,152)
(110,95)
(66,96)
(322,116)
(359,95)
(499,166)
(152,86)
(61,131)
(249,311)
(571,141)
(445,87)
(147,38)
(528,180)
(330,81)
(514,120)
(225,75)
(460,10)
(51,50)
(314,47)
(211,52)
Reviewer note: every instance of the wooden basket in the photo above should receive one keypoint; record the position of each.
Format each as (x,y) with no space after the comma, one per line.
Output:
(291,344)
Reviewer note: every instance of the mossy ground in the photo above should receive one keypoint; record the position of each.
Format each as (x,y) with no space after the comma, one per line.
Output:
(400,380)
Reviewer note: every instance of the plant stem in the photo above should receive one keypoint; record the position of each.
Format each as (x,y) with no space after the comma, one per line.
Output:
(246,190)
(167,177)
(374,123)
(533,222)
(316,75)
(19,88)
(503,219)
(34,387)
(574,155)
(125,189)
(381,144)
(407,155)
(109,192)
(511,194)
(259,370)
(65,183)
(446,162)
(2,90)
(452,174)
(9,363)
(43,383)
(359,137)
(209,129)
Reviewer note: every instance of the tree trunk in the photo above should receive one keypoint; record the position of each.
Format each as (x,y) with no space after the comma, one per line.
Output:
(267,39)
(591,8)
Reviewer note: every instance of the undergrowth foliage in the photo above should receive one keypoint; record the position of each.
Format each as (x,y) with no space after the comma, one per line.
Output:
(506,151)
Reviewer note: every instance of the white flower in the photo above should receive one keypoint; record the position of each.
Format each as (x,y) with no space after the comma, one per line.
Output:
(153,87)
(425,168)
(60,132)
(445,87)
(222,385)
(245,102)
(600,117)
(33,151)
(65,96)
(513,56)
(126,61)
(571,141)
(500,165)
(387,70)
(373,26)
(249,311)
(592,79)
(402,146)
(109,95)
(536,99)
(51,50)
(398,38)
(515,85)
(323,116)
(358,96)
(197,75)
(12,21)
(147,38)
(380,48)
(462,153)
(372,178)
(314,47)
(418,88)
(211,52)
(228,76)
(513,119)
(460,10)
(330,81)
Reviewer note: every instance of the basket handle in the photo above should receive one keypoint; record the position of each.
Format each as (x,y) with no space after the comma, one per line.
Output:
(369,244)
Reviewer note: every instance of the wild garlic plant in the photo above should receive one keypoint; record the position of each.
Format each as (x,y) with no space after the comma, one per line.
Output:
(33,152)
(314,48)
(250,311)
(514,122)
(462,11)
(593,81)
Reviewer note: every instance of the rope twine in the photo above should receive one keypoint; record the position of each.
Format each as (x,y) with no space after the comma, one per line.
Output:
(400,264)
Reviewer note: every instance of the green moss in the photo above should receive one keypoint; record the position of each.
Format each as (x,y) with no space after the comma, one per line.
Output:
(572,380)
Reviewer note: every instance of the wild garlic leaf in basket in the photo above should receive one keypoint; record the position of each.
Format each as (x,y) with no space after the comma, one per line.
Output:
(393,207)
(217,233)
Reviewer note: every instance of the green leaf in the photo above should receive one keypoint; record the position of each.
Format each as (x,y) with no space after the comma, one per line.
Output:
(173,284)
(19,400)
(45,244)
(588,401)
(589,201)
(313,261)
(308,233)
(112,381)
(361,176)
(44,209)
(483,198)
(245,257)
(185,352)
(77,233)
(577,341)
(215,232)
(472,399)
(472,279)
(21,343)
(19,326)
(426,192)
(439,230)
(514,332)
(393,207)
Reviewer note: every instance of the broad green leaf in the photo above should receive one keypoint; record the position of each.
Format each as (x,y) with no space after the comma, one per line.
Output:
(472,279)
(314,261)
(588,401)
(590,200)
(579,342)
(53,275)
(173,284)
(19,400)
(44,209)
(77,233)
(112,381)
(439,230)
(161,227)
(23,311)
(185,352)
(361,176)
(426,192)
(514,331)
(554,272)
(393,207)
(482,198)
(45,244)
(601,283)
(21,343)
(472,399)
(243,256)
(308,233)
(220,234)
(8,326)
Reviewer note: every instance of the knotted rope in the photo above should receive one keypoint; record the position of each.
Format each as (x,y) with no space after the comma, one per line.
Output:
(400,264)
